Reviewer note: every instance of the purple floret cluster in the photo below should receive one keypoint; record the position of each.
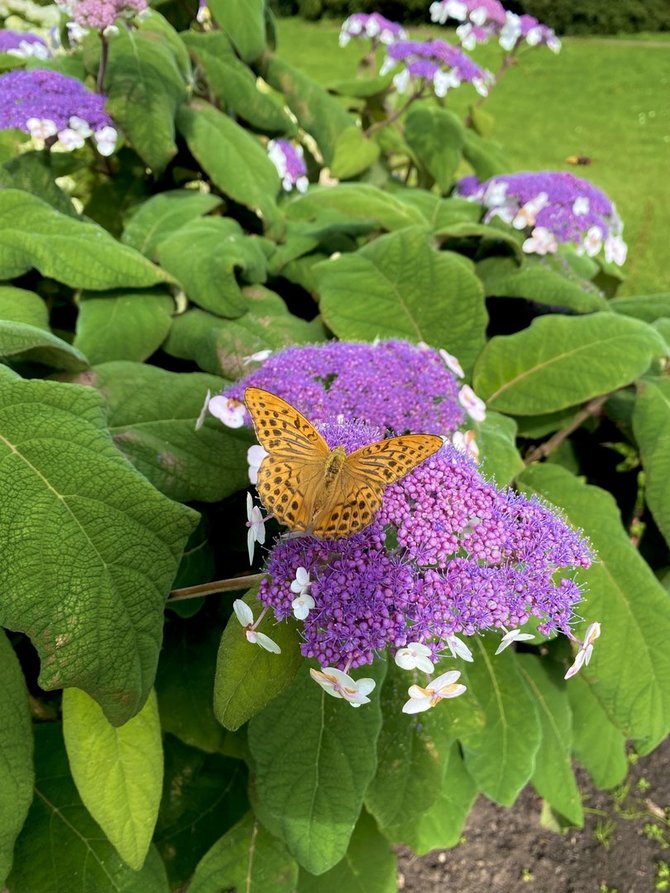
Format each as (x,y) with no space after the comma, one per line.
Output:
(392,385)
(23,45)
(98,14)
(447,555)
(434,62)
(481,20)
(52,106)
(554,207)
(373,26)
(290,163)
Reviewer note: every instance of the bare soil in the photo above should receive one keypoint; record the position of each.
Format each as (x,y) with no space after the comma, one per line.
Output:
(623,848)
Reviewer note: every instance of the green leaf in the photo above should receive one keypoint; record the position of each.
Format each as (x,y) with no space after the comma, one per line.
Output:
(247,676)
(319,114)
(458,232)
(219,345)
(123,325)
(203,796)
(630,668)
(314,812)
(436,136)
(162,215)
(91,547)
(246,858)
(16,754)
(648,308)
(353,153)
(441,826)
(118,771)
(144,88)
(231,156)
(560,361)
(500,756)
(23,306)
(61,847)
(79,254)
(158,27)
(244,23)
(398,286)
(544,280)
(205,255)
(500,459)
(438,212)
(369,865)
(486,156)
(27,342)
(651,425)
(353,201)
(598,744)
(33,172)
(152,415)
(553,778)
(362,88)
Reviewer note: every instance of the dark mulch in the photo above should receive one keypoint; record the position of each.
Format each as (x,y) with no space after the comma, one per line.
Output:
(625,838)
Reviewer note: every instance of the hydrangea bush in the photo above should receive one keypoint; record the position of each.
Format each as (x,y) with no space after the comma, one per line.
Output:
(184,215)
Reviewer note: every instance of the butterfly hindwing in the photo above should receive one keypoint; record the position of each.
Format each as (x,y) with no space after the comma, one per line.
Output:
(352,506)
(281,429)
(287,490)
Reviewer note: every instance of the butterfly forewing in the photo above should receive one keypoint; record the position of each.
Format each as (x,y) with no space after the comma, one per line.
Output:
(281,429)
(386,461)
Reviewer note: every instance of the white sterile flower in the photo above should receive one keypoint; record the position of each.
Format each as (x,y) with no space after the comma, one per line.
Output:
(336,683)
(513,635)
(583,656)
(41,128)
(510,32)
(105,140)
(496,194)
(541,241)
(256,525)
(554,43)
(245,615)
(414,656)
(444,81)
(534,36)
(302,582)
(200,421)
(593,241)
(227,410)
(372,27)
(401,81)
(506,213)
(615,250)
(581,206)
(302,184)
(438,12)
(70,139)
(255,455)
(80,126)
(472,404)
(302,605)
(478,16)
(344,37)
(445,686)
(387,65)
(458,648)
(481,85)
(465,443)
(259,357)
(466,35)
(451,363)
(527,213)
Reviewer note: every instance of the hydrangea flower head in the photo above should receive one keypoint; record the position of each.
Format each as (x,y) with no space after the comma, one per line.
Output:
(518,29)
(99,15)
(23,45)
(391,385)
(435,63)
(554,208)
(372,25)
(51,105)
(290,164)
(480,20)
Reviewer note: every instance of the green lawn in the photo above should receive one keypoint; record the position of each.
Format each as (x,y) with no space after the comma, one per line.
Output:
(608,99)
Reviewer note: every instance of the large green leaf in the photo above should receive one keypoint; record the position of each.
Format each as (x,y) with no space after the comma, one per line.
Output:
(646,307)
(314,810)
(353,153)
(559,361)
(317,112)
(118,771)
(123,325)
(630,668)
(545,280)
(485,156)
(90,546)
(232,157)
(34,172)
(249,677)
(80,254)
(20,305)
(244,23)
(399,286)
(206,255)
(353,202)
(500,756)
(162,215)
(16,754)
(496,438)
(598,744)
(436,136)
(651,425)
(21,341)
(553,777)
(440,212)
(246,858)
(144,88)
(61,847)
(369,865)
(152,415)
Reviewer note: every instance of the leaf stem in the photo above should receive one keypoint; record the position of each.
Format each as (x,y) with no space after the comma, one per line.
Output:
(545,449)
(384,122)
(230,585)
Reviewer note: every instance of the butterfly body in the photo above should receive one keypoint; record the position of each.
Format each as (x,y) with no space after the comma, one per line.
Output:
(312,489)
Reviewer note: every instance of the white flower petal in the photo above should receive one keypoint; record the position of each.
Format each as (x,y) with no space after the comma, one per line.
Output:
(243,612)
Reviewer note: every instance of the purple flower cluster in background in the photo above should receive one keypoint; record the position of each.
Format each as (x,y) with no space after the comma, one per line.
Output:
(98,15)
(373,26)
(483,19)
(391,385)
(435,62)
(464,557)
(23,45)
(556,207)
(51,106)
(290,164)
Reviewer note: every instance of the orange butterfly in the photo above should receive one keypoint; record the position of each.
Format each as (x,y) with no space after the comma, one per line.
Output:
(313,489)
